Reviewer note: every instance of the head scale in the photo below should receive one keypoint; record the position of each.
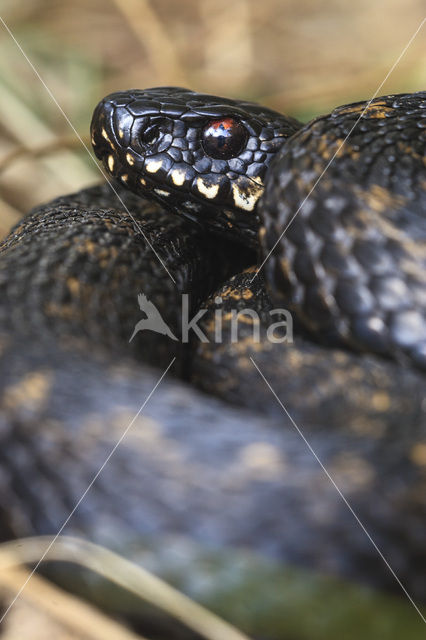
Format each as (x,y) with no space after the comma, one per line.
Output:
(203,156)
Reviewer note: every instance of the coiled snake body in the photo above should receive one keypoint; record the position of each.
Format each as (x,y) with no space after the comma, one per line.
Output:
(350,266)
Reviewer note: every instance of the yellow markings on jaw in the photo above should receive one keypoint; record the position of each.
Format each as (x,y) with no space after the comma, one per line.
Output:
(130,159)
(105,135)
(111,163)
(161,192)
(258,180)
(247,197)
(124,177)
(178,177)
(93,139)
(142,181)
(152,166)
(209,191)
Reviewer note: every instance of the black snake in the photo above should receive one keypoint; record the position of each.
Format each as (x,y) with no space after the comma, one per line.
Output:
(349,267)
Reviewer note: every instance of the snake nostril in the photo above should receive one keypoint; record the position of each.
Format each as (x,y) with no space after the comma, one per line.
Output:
(149,136)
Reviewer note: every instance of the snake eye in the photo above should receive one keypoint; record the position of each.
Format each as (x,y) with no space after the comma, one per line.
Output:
(224,138)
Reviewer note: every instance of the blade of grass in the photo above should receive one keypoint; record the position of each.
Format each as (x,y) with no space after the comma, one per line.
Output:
(66,609)
(143,20)
(29,131)
(59,144)
(124,573)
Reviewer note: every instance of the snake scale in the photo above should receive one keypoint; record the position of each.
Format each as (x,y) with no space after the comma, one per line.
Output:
(203,188)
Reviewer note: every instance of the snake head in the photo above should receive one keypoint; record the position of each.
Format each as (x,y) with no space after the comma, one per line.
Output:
(202,156)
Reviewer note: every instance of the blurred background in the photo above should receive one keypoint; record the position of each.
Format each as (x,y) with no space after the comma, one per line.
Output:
(302,57)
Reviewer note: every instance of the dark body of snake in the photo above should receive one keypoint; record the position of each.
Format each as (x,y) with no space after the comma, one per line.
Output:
(351,269)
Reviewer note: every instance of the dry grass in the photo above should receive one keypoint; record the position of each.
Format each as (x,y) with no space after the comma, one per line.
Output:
(302,58)
(45,611)
(83,621)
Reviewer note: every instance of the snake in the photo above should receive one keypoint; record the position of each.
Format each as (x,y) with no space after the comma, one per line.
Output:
(226,206)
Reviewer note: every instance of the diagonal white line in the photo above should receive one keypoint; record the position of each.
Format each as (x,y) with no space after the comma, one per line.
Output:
(80,500)
(397,61)
(343,497)
(86,148)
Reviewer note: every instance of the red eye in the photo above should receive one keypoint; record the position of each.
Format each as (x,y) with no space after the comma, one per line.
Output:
(224,138)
